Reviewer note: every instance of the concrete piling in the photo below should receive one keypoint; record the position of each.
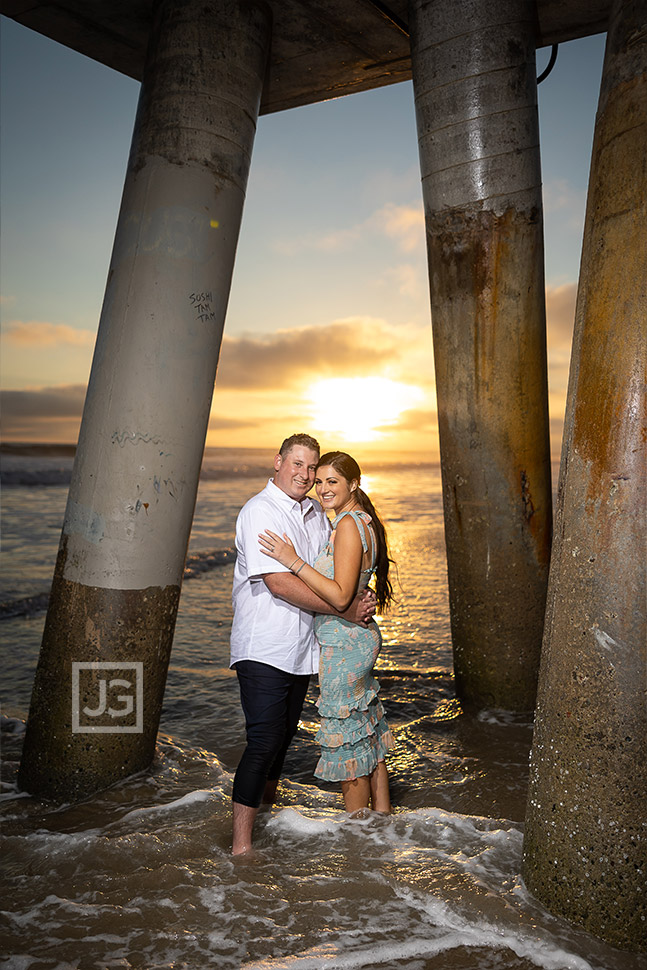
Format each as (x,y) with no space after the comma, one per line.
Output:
(585,844)
(476,107)
(102,669)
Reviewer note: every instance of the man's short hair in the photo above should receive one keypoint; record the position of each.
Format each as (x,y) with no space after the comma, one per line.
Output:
(305,440)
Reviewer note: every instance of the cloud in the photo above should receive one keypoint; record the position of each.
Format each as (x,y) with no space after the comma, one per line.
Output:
(405,224)
(390,184)
(42,414)
(65,401)
(337,240)
(353,347)
(410,281)
(560,312)
(560,196)
(560,317)
(415,419)
(218,423)
(36,333)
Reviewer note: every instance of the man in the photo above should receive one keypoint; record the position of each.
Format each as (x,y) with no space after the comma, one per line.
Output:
(273,648)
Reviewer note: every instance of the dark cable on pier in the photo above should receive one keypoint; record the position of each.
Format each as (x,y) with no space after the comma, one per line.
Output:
(391,16)
(551,64)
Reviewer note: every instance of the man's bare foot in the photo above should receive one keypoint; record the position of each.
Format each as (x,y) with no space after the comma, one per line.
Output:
(243,822)
(247,857)
(242,850)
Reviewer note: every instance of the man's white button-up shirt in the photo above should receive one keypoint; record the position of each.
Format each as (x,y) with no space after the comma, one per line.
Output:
(265,628)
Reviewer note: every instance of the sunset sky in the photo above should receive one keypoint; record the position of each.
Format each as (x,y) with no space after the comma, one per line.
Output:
(328,328)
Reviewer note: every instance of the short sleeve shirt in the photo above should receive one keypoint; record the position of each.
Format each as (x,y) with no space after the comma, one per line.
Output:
(265,628)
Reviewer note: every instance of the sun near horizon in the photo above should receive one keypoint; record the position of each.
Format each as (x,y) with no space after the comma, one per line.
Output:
(360,409)
(368,414)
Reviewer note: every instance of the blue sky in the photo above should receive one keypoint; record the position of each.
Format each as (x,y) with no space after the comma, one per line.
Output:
(331,245)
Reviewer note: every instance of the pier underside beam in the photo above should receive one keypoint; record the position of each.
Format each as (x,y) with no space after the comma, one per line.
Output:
(585,844)
(100,679)
(476,108)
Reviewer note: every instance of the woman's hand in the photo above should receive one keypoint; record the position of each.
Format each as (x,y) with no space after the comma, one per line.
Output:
(280,549)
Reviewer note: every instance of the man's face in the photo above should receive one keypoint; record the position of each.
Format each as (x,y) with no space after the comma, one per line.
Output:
(295,474)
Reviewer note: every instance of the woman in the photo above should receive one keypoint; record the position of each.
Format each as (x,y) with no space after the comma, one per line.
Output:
(354,735)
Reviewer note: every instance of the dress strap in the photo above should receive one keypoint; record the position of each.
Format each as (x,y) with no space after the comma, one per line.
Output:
(360,519)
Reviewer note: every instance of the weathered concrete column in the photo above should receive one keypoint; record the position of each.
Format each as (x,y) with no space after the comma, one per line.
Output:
(100,680)
(476,107)
(585,845)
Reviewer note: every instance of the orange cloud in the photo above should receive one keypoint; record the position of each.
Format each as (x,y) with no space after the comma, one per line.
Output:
(417,420)
(37,333)
(560,318)
(404,223)
(263,378)
(218,423)
(355,347)
(560,313)
(409,280)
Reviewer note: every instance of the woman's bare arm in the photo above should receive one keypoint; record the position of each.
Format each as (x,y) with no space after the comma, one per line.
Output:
(290,588)
(338,592)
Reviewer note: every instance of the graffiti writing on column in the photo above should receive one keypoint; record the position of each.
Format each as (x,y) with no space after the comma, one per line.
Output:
(201,303)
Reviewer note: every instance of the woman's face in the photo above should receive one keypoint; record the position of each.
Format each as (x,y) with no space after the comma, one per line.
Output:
(333,490)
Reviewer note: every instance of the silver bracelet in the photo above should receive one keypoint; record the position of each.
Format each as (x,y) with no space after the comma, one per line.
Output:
(300,568)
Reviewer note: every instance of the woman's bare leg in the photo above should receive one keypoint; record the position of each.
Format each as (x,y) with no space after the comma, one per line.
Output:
(357,793)
(379,784)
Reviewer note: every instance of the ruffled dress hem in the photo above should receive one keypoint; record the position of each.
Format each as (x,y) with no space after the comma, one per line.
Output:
(334,732)
(346,762)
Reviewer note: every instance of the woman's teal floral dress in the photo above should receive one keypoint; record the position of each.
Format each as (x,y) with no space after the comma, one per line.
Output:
(354,734)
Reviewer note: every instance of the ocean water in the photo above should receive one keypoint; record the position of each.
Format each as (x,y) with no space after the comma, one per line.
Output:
(140,876)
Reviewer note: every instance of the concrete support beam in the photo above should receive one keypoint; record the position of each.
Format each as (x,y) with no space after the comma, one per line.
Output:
(102,669)
(585,845)
(476,107)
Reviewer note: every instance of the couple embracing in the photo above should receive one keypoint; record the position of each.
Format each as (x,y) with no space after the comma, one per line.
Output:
(302,605)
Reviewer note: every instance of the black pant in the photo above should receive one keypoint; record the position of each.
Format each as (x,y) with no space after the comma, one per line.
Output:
(272,701)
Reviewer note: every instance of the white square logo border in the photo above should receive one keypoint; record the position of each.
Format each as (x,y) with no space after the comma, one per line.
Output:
(108,665)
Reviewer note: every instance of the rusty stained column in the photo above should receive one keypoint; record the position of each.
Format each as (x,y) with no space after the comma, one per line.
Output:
(100,679)
(476,107)
(585,845)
